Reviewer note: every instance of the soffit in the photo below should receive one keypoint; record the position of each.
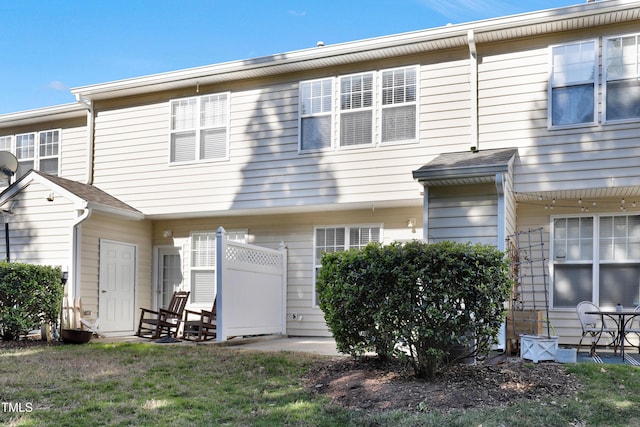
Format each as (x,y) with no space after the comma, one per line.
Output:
(533,24)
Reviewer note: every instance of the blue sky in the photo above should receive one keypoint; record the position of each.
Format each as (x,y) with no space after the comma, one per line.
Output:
(49,46)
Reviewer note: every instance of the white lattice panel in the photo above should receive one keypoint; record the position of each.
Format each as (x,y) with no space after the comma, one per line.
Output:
(254,257)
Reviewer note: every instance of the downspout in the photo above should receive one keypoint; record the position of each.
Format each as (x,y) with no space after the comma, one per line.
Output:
(90,137)
(473,90)
(76,241)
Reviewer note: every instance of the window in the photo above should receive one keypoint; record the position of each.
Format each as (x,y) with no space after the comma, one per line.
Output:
(203,270)
(200,128)
(338,239)
(34,150)
(315,114)
(572,85)
(622,76)
(399,105)
(203,263)
(359,110)
(596,259)
(356,110)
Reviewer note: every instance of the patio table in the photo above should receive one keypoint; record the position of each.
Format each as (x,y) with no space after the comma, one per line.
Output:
(621,319)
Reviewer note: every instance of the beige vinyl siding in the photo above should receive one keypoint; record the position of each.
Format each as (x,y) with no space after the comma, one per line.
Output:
(100,226)
(39,231)
(73,145)
(296,231)
(512,102)
(463,214)
(532,216)
(265,169)
(74,159)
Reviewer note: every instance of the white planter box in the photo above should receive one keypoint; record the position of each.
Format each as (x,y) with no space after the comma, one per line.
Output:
(567,355)
(538,347)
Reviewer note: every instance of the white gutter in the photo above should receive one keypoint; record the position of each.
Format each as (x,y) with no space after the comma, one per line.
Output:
(188,77)
(76,242)
(473,89)
(90,137)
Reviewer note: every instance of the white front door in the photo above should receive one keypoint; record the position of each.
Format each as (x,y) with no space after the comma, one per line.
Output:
(117,286)
(169,274)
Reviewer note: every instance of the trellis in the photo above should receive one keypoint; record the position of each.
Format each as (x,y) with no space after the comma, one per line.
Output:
(530,294)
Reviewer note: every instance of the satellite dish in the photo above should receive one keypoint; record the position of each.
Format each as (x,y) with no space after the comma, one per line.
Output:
(8,164)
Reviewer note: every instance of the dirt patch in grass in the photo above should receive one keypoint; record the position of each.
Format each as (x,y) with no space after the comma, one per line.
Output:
(371,385)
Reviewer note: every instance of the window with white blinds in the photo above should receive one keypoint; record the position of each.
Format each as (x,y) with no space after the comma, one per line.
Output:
(200,128)
(203,263)
(338,239)
(399,104)
(356,110)
(315,114)
(359,110)
(596,258)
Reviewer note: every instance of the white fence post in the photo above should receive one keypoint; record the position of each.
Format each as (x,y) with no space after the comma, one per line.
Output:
(220,257)
(284,251)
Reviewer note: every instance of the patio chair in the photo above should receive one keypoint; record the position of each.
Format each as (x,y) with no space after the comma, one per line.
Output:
(634,327)
(164,322)
(594,325)
(200,326)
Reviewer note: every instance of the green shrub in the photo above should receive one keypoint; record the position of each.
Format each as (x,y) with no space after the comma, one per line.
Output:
(29,295)
(434,303)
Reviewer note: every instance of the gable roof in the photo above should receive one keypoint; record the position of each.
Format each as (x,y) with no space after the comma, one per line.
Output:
(468,167)
(84,196)
(586,15)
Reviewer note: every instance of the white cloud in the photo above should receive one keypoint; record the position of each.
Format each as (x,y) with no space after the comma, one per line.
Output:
(57,85)
(470,10)
(297,13)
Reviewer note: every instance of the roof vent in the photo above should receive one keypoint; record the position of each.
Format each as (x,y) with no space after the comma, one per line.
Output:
(320,43)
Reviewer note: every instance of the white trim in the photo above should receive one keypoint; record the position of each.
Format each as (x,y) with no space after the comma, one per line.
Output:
(494,29)
(594,81)
(197,130)
(380,108)
(340,112)
(595,260)
(605,80)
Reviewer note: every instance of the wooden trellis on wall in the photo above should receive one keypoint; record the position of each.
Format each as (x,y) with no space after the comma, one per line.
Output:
(529,304)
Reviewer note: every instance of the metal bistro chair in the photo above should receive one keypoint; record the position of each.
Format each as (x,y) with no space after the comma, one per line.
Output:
(634,327)
(594,325)
(164,322)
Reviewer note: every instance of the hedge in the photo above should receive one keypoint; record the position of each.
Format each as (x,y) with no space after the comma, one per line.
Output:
(29,295)
(432,303)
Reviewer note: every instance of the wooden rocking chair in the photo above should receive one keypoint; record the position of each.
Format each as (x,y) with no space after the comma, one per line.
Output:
(200,326)
(164,322)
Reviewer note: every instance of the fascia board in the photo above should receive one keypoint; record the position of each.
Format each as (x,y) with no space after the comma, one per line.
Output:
(188,76)
(57,112)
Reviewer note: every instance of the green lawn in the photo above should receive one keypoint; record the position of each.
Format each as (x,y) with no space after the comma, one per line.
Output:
(166,385)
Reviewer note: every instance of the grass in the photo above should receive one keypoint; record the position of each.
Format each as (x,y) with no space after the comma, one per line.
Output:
(153,385)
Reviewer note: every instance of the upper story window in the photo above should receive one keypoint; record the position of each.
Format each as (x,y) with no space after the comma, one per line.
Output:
(315,114)
(200,128)
(399,104)
(347,111)
(34,150)
(356,110)
(622,77)
(572,85)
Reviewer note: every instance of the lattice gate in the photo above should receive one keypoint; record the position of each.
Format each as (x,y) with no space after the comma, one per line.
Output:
(251,288)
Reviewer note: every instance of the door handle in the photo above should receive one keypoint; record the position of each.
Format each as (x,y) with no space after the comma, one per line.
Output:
(104,292)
